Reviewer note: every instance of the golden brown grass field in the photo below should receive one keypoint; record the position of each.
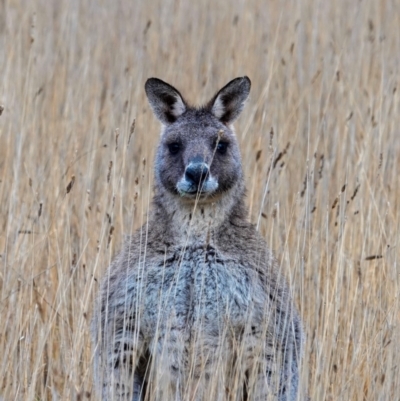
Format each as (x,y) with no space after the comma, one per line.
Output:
(320,141)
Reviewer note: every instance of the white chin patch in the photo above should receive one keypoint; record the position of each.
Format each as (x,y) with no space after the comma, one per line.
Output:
(208,187)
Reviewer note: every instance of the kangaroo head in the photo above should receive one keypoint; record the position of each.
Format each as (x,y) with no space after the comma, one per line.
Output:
(198,156)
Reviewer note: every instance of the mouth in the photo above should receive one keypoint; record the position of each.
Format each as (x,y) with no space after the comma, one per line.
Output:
(189,190)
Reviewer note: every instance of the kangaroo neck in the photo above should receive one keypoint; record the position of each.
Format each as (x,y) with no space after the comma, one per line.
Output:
(194,222)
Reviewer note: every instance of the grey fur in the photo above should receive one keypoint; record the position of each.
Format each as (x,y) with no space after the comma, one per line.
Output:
(194,307)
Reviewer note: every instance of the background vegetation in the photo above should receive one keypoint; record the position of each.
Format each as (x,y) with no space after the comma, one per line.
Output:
(321,151)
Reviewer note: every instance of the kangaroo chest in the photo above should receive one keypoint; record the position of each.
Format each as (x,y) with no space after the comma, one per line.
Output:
(195,289)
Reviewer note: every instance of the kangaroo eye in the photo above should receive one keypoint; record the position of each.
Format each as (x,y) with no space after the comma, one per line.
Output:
(174,148)
(222,147)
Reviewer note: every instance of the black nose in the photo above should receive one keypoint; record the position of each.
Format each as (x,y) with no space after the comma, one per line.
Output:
(196,173)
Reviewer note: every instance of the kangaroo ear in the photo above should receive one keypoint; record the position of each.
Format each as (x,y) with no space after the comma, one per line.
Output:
(228,103)
(166,102)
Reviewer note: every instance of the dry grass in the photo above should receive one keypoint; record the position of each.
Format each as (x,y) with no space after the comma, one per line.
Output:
(321,150)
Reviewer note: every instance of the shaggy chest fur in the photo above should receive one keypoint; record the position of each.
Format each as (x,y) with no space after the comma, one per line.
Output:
(195,288)
(195,305)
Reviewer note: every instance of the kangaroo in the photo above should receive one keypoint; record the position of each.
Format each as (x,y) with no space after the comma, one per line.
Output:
(194,307)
